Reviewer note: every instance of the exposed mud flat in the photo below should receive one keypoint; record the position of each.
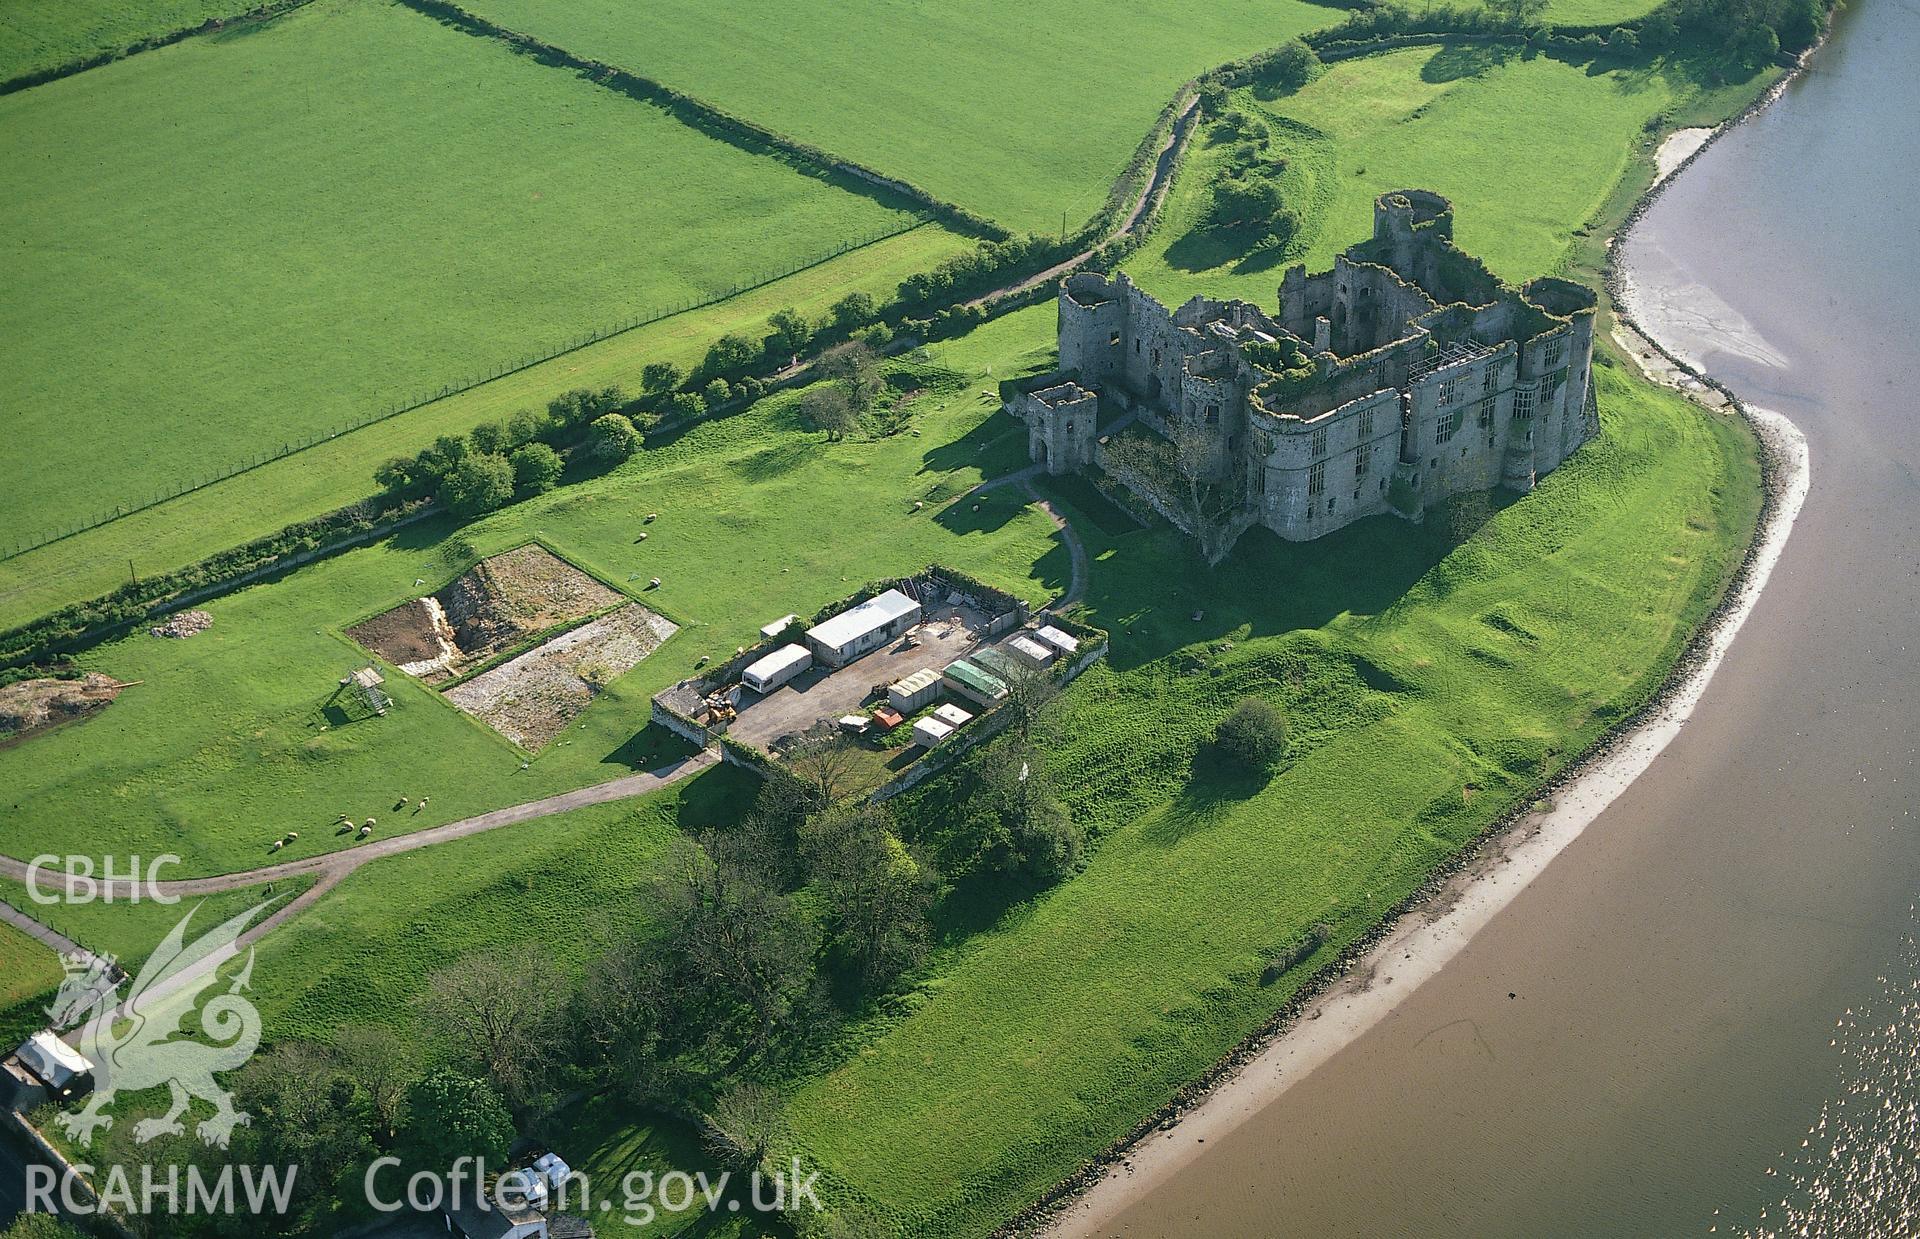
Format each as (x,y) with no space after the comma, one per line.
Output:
(490,608)
(531,699)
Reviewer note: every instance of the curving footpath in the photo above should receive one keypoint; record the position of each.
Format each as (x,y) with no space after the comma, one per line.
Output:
(332,867)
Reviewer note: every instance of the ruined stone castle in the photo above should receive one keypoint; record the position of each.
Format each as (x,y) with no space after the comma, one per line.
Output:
(1406,374)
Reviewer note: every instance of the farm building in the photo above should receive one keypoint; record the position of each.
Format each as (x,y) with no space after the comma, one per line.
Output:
(44,1069)
(1063,643)
(997,663)
(770,672)
(770,631)
(974,682)
(931,733)
(863,628)
(1029,651)
(952,715)
(915,692)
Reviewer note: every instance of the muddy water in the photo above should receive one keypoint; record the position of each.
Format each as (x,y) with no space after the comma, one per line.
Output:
(1721,967)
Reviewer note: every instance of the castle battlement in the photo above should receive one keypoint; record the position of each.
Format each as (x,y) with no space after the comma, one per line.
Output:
(1407,373)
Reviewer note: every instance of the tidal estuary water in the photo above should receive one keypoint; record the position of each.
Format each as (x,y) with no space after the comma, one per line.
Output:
(1703,1016)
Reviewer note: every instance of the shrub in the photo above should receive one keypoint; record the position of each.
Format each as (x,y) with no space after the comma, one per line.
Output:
(730,357)
(479,483)
(612,437)
(536,467)
(1254,735)
(399,475)
(489,438)
(789,333)
(683,404)
(451,1116)
(526,426)
(716,393)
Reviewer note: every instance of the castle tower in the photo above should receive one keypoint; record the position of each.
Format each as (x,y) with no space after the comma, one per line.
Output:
(1093,326)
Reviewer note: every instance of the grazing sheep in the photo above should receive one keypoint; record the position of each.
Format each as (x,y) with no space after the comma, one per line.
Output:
(292,835)
(365,831)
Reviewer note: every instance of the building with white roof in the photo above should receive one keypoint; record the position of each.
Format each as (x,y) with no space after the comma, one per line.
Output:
(862,629)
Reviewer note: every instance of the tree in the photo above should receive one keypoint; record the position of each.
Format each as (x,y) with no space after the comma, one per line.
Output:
(1015,820)
(1519,12)
(439,458)
(790,334)
(826,408)
(536,467)
(824,761)
(580,407)
(450,1116)
(730,356)
(39,1226)
(304,1108)
(852,311)
(743,1125)
(499,1005)
(876,894)
(1250,198)
(684,405)
(381,1061)
(399,475)
(716,393)
(747,949)
(477,484)
(659,376)
(1254,735)
(1180,472)
(489,438)
(857,370)
(1756,45)
(612,437)
(1291,66)
(1029,689)
(525,427)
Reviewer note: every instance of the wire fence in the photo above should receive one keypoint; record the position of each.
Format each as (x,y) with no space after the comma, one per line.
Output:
(266,456)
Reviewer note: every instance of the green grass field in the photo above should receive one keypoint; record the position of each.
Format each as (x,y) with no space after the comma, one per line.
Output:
(227,743)
(1527,149)
(1433,677)
(230,244)
(27,968)
(1023,114)
(1596,12)
(37,35)
(339,471)
(130,931)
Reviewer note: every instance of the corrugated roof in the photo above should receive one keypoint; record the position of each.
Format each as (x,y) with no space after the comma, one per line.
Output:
(856,622)
(1059,639)
(924,678)
(974,677)
(999,662)
(1031,648)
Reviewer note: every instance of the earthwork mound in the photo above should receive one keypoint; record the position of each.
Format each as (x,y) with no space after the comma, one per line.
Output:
(29,705)
(490,608)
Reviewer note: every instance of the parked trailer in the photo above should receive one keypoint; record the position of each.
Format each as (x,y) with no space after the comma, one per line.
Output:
(770,672)
(864,628)
(1029,651)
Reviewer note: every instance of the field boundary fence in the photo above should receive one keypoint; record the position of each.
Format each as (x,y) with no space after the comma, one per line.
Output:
(20,546)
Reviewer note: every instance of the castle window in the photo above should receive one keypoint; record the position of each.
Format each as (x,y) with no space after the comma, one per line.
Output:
(1317,478)
(1363,461)
(1213,415)
(1552,354)
(1449,424)
(1486,413)
(1329,503)
(1366,423)
(1136,348)
(1113,341)
(1523,405)
(1447,392)
(1492,377)
(1320,442)
(1156,359)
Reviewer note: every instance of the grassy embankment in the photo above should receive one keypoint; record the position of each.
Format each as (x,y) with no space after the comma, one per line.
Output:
(38,35)
(1433,678)
(1529,149)
(247,238)
(1022,114)
(226,744)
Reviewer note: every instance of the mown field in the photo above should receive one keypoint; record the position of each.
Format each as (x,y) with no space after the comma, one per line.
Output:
(339,471)
(1024,114)
(228,741)
(227,245)
(129,931)
(36,35)
(1433,677)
